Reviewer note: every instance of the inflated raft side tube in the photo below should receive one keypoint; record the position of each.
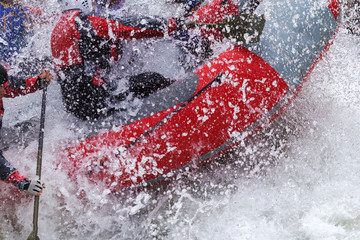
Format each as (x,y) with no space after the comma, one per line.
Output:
(226,101)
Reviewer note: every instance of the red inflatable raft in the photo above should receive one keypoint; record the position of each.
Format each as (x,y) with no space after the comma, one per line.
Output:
(227,99)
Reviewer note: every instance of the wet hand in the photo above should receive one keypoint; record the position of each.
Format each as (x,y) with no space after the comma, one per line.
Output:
(44,78)
(45,74)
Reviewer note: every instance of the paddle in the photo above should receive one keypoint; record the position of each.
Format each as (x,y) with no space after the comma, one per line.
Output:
(245,27)
(241,28)
(33,235)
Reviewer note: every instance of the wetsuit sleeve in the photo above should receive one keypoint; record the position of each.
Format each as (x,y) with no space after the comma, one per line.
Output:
(16,86)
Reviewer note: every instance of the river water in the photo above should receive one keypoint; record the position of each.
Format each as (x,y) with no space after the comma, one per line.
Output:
(298,178)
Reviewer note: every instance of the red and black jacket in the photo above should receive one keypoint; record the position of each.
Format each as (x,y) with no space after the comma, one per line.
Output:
(11,91)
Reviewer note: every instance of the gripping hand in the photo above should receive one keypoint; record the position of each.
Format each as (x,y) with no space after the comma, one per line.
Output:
(32,187)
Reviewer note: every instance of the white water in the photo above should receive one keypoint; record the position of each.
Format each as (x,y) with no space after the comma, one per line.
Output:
(296,179)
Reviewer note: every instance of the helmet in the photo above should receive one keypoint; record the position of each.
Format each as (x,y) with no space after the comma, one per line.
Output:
(3,75)
(83,5)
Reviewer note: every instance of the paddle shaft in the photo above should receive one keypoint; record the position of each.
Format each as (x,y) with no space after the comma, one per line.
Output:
(33,234)
(244,27)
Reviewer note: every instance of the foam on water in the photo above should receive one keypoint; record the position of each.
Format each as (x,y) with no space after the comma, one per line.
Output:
(295,179)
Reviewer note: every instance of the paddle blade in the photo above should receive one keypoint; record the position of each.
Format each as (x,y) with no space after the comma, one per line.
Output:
(242,28)
(33,236)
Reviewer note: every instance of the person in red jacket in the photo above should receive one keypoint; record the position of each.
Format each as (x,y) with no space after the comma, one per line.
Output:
(8,172)
(84,43)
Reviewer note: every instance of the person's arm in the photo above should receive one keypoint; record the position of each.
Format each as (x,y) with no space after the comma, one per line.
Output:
(9,174)
(17,86)
(127,28)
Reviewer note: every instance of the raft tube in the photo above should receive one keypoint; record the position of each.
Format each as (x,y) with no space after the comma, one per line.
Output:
(226,101)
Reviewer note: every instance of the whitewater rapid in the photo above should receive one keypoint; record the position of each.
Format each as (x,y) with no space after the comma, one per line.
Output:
(298,178)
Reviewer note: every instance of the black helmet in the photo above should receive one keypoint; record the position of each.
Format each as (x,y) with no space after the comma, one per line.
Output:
(3,75)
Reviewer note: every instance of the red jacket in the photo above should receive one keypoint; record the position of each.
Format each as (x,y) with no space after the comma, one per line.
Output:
(66,36)
(10,92)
